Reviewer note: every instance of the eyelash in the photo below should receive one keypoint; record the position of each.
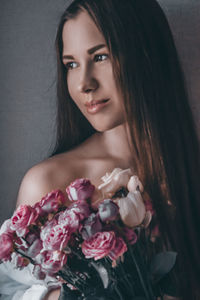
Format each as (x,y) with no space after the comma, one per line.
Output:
(68,65)
(98,55)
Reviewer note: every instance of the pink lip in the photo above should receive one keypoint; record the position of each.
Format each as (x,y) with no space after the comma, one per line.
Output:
(94,106)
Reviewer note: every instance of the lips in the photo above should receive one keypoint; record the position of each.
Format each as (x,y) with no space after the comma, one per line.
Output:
(95,106)
(95,102)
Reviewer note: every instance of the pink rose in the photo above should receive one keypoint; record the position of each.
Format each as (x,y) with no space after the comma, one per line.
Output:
(81,209)
(70,219)
(72,216)
(53,262)
(118,250)
(6,227)
(6,248)
(99,245)
(130,235)
(47,227)
(51,202)
(81,189)
(56,238)
(23,217)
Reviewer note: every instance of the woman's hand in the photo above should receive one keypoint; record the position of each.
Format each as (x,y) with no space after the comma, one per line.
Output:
(52,295)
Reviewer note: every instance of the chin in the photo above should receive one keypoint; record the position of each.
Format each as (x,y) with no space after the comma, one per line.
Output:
(106,127)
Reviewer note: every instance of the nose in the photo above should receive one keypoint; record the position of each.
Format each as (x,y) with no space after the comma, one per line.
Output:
(88,82)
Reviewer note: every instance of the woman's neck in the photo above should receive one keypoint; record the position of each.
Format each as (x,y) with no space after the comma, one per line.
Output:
(115,143)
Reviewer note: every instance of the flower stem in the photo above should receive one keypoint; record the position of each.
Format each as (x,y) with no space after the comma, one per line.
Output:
(118,292)
(148,280)
(129,285)
(140,275)
(24,255)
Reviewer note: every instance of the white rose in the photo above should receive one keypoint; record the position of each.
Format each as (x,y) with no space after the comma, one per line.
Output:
(112,182)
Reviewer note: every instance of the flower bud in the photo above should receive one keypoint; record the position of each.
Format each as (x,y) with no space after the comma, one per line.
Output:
(134,183)
(108,210)
(50,203)
(130,235)
(53,262)
(23,217)
(91,226)
(132,209)
(80,190)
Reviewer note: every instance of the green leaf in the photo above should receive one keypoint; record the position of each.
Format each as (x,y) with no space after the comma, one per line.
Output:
(162,264)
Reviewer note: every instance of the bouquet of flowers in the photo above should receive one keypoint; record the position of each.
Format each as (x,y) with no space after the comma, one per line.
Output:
(97,246)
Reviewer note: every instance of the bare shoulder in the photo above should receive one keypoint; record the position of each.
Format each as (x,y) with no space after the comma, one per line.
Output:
(85,161)
(53,173)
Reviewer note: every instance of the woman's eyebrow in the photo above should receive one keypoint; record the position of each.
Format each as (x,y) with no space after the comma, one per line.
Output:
(90,51)
(95,48)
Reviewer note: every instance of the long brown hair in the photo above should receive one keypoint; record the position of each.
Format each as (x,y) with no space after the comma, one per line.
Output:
(164,140)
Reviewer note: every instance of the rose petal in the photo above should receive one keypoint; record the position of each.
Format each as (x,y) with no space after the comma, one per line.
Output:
(132,209)
(134,183)
(113,182)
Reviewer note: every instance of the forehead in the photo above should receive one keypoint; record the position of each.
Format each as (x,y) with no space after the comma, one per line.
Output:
(81,32)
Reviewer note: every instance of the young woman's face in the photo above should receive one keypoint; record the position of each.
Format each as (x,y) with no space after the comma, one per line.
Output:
(90,77)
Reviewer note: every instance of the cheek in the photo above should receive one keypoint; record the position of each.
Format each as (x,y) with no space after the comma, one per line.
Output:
(109,81)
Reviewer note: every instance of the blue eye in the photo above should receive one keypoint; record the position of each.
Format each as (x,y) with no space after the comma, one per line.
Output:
(100,57)
(71,65)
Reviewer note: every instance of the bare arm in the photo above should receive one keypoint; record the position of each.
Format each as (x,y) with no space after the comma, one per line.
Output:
(42,179)
(37,182)
(53,295)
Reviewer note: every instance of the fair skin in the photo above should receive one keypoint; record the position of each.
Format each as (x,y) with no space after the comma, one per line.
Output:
(106,149)
(90,77)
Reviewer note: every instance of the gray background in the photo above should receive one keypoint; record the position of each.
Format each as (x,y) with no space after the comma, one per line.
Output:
(28,74)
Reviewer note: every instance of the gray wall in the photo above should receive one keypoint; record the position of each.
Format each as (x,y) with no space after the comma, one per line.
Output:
(27,89)
(27,81)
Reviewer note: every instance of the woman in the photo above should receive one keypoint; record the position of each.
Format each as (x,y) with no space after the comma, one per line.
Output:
(122,103)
